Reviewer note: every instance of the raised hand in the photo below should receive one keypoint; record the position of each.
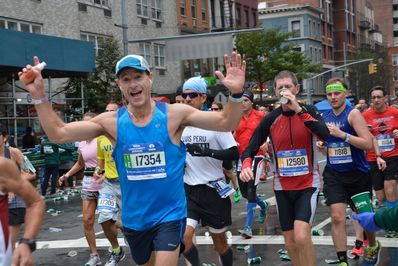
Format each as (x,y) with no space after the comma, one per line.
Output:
(234,79)
(35,88)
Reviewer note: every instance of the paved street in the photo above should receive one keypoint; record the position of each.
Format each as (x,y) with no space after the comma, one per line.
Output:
(53,247)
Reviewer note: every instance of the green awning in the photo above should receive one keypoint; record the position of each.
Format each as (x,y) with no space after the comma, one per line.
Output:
(64,57)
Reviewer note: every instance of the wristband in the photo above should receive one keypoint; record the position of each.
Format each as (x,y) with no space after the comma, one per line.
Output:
(235,100)
(237,95)
(40,101)
(378,155)
(347,137)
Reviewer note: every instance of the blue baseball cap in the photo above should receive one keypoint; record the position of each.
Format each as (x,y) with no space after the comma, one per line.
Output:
(197,84)
(133,61)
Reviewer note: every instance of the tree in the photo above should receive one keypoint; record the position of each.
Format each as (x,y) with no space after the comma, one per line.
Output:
(99,86)
(268,52)
(360,80)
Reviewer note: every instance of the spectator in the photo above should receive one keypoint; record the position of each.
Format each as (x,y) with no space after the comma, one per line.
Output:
(29,140)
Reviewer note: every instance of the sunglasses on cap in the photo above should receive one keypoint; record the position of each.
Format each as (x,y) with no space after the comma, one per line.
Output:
(191,95)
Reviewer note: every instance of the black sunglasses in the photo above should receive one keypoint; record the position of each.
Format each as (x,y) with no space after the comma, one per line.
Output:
(215,109)
(191,95)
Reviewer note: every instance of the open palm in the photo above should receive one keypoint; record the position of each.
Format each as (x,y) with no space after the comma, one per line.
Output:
(235,73)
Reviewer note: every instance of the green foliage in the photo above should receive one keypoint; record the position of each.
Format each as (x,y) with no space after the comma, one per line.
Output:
(267,53)
(99,86)
(211,81)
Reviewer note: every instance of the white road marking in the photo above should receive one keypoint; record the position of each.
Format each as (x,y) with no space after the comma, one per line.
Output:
(322,224)
(203,240)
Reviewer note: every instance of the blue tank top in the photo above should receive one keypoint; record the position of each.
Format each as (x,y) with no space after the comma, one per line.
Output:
(151,170)
(342,156)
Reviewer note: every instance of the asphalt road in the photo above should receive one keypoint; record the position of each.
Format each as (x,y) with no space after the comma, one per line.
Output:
(62,233)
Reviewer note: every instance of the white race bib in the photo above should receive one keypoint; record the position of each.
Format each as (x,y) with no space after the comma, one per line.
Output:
(144,161)
(292,162)
(386,142)
(339,152)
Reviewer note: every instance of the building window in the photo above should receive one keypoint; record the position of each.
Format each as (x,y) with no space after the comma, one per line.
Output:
(159,55)
(94,38)
(20,26)
(107,13)
(310,30)
(295,28)
(82,7)
(247,18)
(395,59)
(328,11)
(182,7)
(102,3)
(193,8)
(395,74)
(203,6)
(238,16)
(156,9)
(145,51)
(142,8)
(254,18)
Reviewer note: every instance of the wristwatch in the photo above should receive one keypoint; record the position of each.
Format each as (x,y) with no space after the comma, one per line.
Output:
(30,242)
(303,110)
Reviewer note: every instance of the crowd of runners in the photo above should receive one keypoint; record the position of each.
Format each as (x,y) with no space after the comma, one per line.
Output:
(156,171)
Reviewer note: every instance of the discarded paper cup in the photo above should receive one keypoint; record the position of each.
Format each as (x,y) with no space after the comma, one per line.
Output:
(72,253)
(362,202)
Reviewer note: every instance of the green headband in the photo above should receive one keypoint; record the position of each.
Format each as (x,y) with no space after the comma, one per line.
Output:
(335,87)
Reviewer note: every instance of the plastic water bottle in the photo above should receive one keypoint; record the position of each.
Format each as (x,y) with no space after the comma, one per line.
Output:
(254,260)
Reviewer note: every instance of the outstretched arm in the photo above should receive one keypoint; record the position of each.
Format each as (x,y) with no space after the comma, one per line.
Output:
(11,181)
(54,127)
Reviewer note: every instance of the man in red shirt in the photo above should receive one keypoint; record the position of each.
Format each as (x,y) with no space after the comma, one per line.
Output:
(292,129)
(243,133)
(383,124)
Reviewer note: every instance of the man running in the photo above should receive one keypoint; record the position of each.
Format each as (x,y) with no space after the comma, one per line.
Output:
(109,199)
(148,152)
(11,181)
(347,171)
(205,188)
(382,121)
(292,129)
(248,123)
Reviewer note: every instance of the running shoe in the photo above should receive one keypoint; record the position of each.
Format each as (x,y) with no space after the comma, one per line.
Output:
(246,232)
(262,215)
(357,251)
(237,195)
(115,258)
(372,255)
(94,260)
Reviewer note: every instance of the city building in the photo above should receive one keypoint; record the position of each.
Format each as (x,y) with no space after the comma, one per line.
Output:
(56,30)
(344,25)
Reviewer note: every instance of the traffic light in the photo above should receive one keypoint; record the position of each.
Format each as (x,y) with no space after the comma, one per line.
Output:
(372,68)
